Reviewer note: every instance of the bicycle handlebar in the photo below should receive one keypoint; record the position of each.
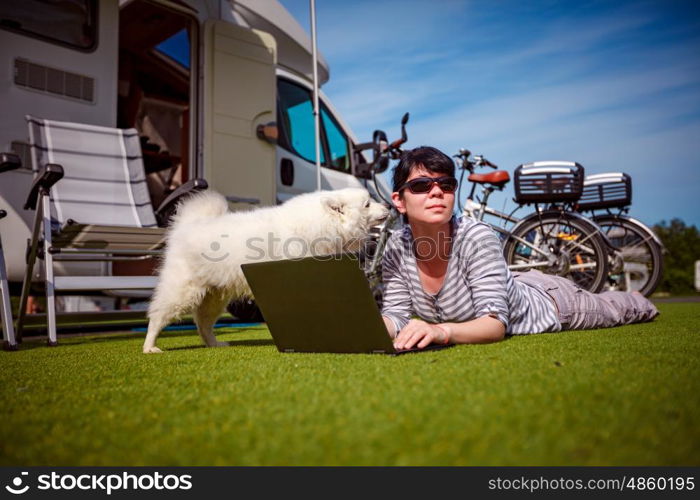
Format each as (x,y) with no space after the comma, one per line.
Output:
(383,152)
(393,149)
(483,162)
(463,153)
(397,143)
(478,160)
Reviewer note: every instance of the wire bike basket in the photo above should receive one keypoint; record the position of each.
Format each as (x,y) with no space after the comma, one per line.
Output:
(548,182)
(611,190)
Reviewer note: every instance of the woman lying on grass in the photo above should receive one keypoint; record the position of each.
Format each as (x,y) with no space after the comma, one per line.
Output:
(450,272)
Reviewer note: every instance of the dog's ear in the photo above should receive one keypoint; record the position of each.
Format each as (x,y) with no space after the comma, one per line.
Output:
(333,204)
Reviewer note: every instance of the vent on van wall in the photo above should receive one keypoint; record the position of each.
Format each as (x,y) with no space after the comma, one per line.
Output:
(54,81)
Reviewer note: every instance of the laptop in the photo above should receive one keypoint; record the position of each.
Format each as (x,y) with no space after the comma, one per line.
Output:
(320,304)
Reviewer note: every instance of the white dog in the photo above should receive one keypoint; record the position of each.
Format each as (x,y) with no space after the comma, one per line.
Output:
(207,244)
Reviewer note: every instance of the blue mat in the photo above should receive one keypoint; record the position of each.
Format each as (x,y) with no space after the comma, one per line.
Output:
(192,327)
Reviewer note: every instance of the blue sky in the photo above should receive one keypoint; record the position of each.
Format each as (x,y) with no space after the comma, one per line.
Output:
(612,85)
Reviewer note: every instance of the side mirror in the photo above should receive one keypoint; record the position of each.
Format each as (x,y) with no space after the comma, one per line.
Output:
(381,162)
(268,132)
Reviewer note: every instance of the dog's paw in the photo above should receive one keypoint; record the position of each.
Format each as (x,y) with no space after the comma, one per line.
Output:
(219,343)
(151,350)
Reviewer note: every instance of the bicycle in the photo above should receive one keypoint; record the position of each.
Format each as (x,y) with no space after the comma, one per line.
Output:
(556,240)
(373,250)
(640,250)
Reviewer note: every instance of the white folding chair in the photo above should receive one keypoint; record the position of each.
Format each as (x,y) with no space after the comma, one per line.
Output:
(7,162)
(92,204)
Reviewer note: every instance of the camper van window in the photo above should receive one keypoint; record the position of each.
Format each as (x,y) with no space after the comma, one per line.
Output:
(337,142)
(72,23)
(177,48)
(297,119)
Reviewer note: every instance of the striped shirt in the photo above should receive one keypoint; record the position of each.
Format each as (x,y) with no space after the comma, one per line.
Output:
(477,283)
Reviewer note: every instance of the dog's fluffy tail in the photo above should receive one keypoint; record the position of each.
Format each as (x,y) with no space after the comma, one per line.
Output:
(202,205)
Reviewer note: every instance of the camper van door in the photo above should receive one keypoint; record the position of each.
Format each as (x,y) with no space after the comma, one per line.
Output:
(239,95)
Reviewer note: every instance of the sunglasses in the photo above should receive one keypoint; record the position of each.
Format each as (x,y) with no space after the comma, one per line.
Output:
(421,185)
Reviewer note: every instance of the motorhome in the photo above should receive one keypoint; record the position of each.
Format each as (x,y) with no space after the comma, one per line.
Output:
(218,89)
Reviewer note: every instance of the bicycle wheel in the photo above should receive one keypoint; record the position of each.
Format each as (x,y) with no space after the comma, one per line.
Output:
(560,244)
(642,257)
(371,259)
(373,252)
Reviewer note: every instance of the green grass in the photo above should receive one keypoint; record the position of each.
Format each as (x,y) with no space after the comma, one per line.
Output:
(625,396)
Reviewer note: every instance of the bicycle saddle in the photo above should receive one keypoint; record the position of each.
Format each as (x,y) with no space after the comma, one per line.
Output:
(499,178)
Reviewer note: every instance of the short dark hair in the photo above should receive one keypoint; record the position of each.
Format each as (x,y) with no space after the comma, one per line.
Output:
(429,158)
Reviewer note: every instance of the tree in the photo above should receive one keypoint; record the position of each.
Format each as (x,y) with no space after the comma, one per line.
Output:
(683,249)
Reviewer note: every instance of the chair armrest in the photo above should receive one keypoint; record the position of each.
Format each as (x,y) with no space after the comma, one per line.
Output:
(50,175)
(166,209)
(9,161)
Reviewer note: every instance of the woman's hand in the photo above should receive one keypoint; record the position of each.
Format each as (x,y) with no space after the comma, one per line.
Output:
(419,333)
